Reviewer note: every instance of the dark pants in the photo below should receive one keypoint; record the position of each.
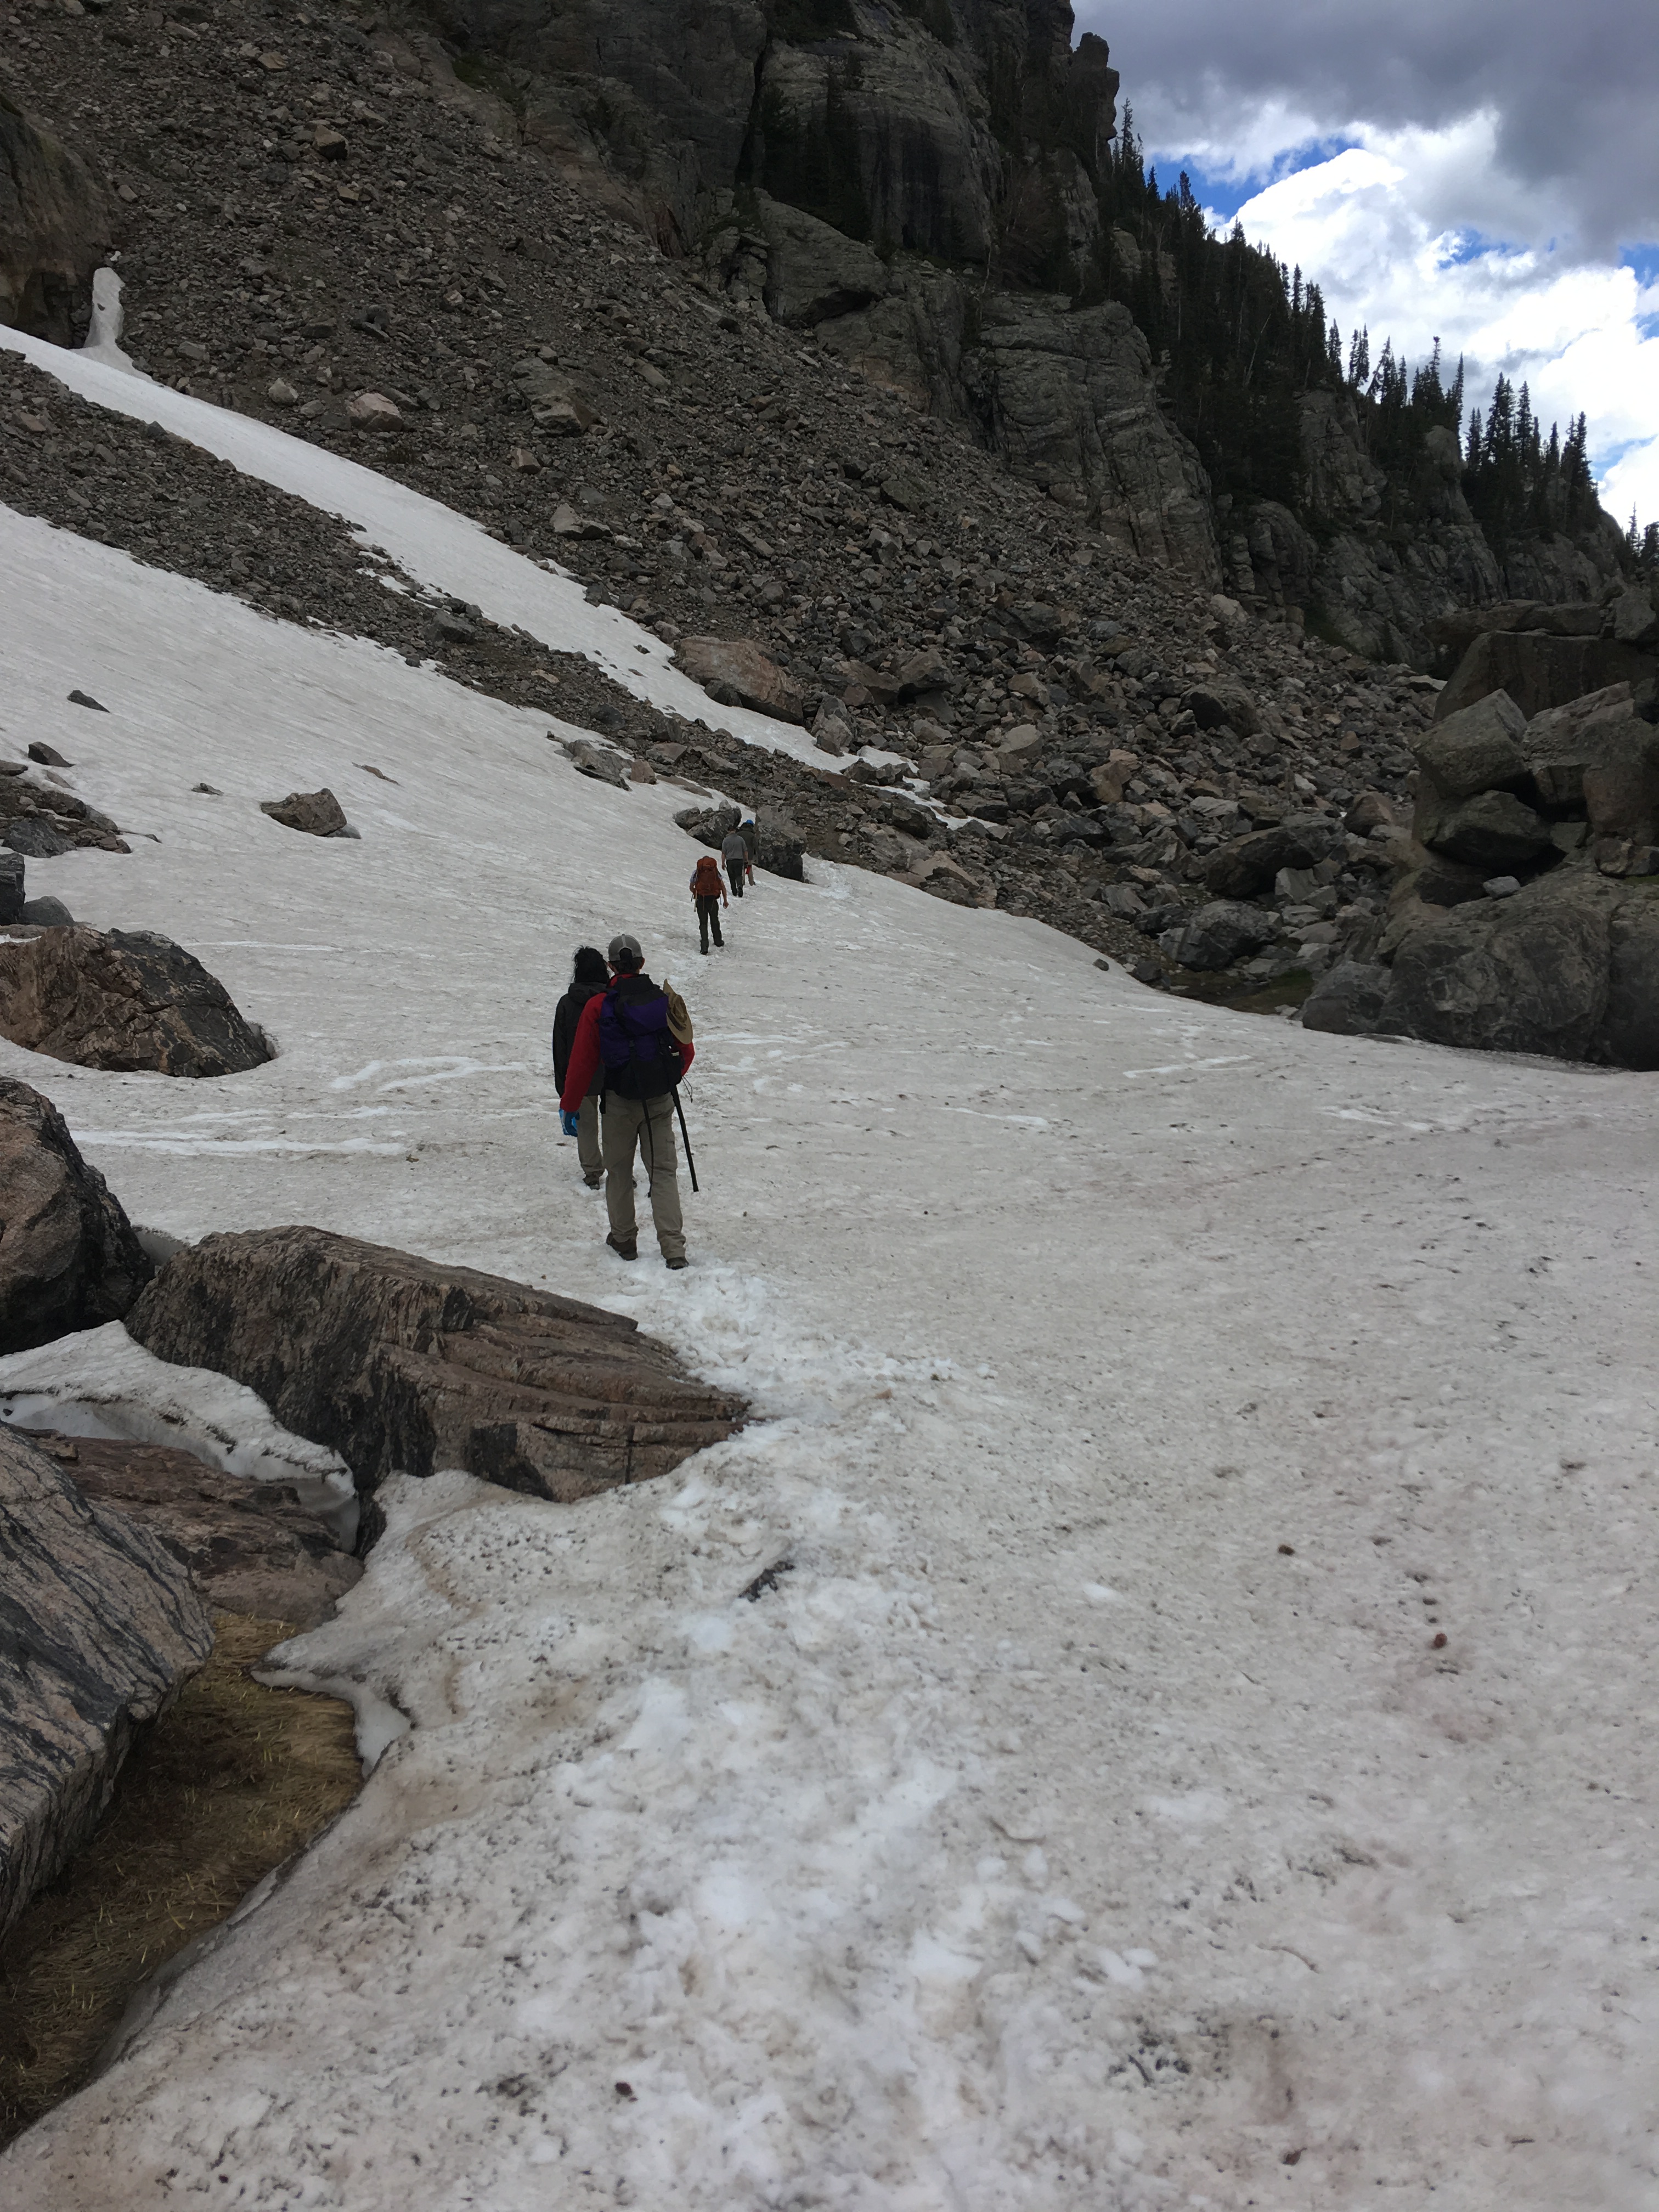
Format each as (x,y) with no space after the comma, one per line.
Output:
(708,917)
(734,870)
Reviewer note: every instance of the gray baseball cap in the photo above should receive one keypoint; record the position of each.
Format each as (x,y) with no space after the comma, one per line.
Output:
(621,945)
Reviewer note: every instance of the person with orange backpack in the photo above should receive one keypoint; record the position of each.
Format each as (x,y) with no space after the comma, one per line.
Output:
(709,890)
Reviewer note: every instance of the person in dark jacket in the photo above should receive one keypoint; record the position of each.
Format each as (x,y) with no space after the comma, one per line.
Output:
(588,974)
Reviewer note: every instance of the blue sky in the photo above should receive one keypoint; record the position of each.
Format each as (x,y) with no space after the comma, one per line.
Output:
(1488,174)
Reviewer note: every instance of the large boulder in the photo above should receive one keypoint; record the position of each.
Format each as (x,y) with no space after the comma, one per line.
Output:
(1479,749)
(1248,864)
(121,1000)
(1636,619)
(814,272)
(99,1629)
(68,1258)
(401,1363)
(1527,973)
(12,901)
(1540,671)
(780,845)
(54,230)
(1347,1000)
(252,1546)
(1630,1027)
(1220,933)
(1218,700)
(1562,742)
(736,666)
(1492,831)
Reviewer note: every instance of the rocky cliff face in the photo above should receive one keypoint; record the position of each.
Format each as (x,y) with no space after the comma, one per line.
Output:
(911,185)
(1378,588)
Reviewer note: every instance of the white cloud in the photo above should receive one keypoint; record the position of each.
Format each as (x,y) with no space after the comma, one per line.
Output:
(1394,227)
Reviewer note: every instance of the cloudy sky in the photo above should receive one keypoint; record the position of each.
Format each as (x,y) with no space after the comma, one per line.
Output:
(1486,173)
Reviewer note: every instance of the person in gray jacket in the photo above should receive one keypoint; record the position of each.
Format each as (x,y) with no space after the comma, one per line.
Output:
(736,850)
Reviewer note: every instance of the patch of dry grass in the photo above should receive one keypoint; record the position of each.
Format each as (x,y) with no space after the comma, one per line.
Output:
(233,1781)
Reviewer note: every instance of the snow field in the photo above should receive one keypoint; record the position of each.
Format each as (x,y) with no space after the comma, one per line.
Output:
(432,543)
(1048,1836)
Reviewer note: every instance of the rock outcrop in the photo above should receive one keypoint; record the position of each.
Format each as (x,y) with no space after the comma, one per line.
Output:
(54,230)
(1528,917)
(400,1364)
(1543,667)
(69,1257)
(100,1628)
(1384,591)
(122,1000)
(251,1546)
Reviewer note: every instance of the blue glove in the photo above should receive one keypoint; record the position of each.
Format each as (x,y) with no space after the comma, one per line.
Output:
(568,1122)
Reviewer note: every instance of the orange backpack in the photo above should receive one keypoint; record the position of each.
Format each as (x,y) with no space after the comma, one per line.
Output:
(706,884)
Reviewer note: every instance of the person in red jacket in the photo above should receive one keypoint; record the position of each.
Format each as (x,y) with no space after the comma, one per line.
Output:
(709,890)
(624,1037)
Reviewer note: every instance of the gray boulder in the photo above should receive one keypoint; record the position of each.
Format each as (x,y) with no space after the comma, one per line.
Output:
(1220,933)
(1636,619)
(1249,864)
(709,825)
(1629,1031)
(47,912)
(602,761)
(1478,750)
(1347,1000)
(1527,974)
(99,1629)
(779,844)
(1218,701)
(1539,671)
(1493,831)
(69,1257)
(1564,741)
(814,272)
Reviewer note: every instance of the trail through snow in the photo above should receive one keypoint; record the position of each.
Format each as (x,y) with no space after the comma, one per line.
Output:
(1084,1816)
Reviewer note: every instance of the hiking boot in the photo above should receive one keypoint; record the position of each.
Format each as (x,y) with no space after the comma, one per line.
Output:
(680,1262)
(594,1181)
(628,1250)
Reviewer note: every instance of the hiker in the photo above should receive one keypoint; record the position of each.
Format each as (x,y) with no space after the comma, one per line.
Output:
(588,974)
(634,1038)
(736,850)
(709,893)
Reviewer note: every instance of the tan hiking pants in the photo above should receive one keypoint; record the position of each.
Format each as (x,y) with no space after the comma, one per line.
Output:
(648,1125)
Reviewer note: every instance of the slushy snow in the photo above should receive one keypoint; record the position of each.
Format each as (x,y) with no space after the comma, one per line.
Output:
(1082,1815)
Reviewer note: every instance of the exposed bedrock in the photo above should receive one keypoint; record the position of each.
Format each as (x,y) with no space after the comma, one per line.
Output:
(100,1628)
(401,1363)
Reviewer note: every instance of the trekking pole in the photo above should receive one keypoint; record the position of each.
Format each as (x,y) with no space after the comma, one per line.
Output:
(689,1161)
